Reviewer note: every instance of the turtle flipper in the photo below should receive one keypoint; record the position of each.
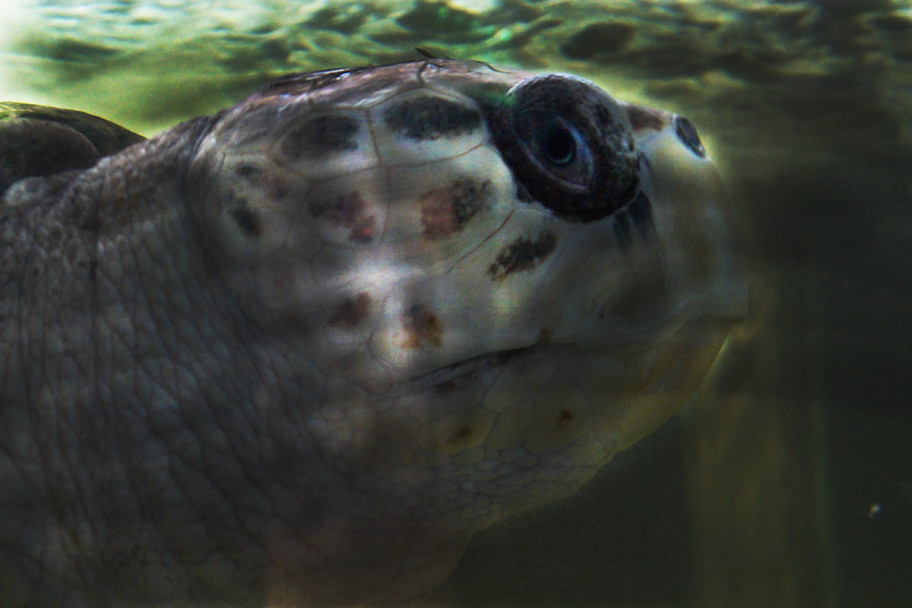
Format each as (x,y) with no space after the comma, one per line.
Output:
(37,141)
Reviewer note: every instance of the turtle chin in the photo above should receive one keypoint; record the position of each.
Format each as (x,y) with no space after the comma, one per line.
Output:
(582,401)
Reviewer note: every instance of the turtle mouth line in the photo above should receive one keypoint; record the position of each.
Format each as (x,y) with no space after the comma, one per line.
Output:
(466,368)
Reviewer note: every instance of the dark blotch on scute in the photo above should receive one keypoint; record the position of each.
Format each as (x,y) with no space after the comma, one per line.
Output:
(352,311)
(247,220)
(320,137)
(687,133)
(422,327)
(430,118)
(349,211)
(273,186)
(445,211)
(522,254)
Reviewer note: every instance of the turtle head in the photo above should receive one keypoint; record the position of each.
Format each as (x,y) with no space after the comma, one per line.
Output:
(506,276)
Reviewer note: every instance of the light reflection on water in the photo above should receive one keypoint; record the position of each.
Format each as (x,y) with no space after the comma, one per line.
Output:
(787,482)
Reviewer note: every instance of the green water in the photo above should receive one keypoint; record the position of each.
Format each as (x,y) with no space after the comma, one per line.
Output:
(788,482)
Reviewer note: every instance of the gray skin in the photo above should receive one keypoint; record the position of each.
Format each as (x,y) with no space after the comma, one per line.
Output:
(174,432)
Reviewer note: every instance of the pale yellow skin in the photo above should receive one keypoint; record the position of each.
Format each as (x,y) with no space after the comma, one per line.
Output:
(269,345)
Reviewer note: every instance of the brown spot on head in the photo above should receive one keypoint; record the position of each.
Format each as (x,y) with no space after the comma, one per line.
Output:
(364,229)
(352,311)
(522,254)
(445,211)
(421,326)
(349,211)
(564,419)
(644,118)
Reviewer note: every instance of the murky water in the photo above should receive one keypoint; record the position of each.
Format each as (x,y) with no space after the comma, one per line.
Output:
(788,482)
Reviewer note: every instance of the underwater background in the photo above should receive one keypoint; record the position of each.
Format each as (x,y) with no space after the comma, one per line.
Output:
(788,480)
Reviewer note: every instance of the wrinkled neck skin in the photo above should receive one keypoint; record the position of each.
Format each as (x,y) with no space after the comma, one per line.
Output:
(154,446)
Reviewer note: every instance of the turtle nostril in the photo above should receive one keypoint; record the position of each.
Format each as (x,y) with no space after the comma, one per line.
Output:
(687,134)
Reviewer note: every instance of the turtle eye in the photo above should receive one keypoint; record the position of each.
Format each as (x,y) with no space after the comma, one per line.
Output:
(558,145)
(569,145)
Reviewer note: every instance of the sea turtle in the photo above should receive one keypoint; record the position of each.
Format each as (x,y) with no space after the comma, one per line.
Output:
(296,353)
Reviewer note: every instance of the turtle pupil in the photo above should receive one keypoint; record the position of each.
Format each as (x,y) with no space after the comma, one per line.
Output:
(559,146)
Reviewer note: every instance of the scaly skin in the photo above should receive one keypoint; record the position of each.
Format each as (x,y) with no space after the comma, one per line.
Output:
(237,374)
